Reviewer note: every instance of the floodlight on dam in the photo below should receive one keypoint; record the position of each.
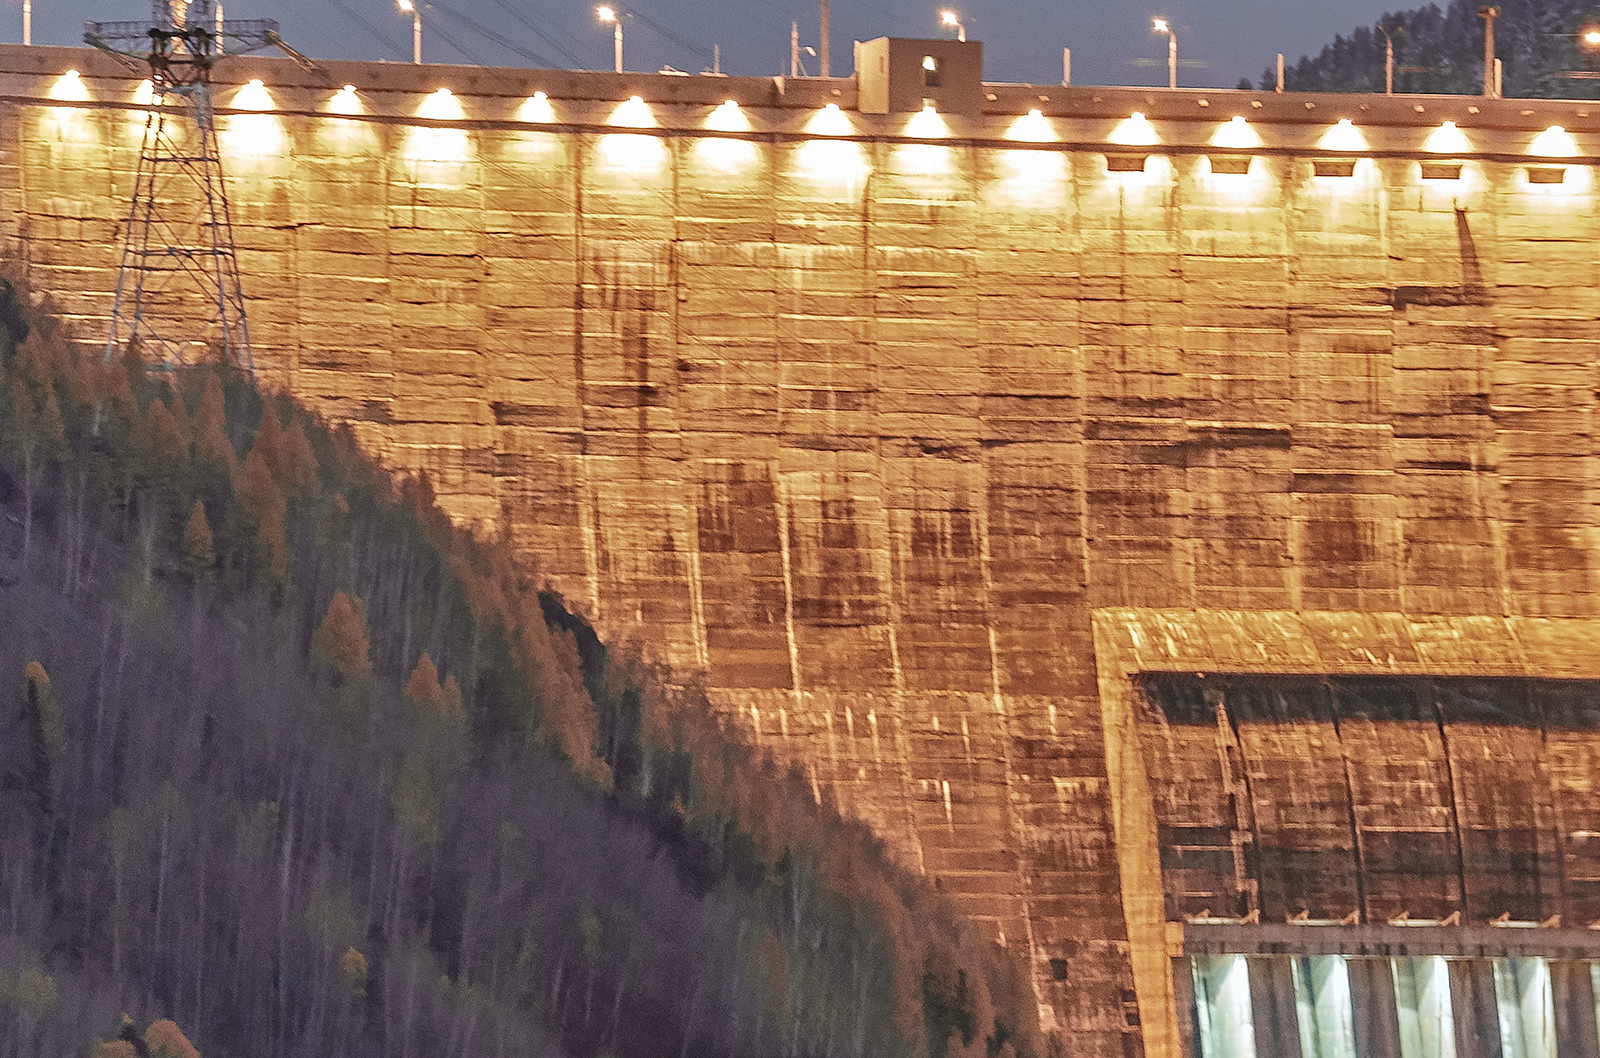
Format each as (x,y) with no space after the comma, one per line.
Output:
(1136,131)
(926,124)
(69,87)
(635,113)
(1032,127)
(440,144)
(827,158)
(253,96)
(537,110)
(1343,136)
(633,151)
(723,154)
(1236,134)
(1447,139)
(1031,169)
(345,101)
(830,121)
(1554,142)
(254,134)
(728,118)
(442,105)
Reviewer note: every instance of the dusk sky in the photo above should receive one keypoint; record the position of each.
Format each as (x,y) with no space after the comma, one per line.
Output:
(1219,42)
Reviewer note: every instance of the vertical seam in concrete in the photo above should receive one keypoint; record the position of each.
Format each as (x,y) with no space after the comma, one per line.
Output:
(780,500)
(588,495)
(1138,850)
(1014,818)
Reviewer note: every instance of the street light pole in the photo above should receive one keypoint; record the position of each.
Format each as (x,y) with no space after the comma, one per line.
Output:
(1491,88)
(1161,25)
(611,15)
(27,21)
(411,8)
(1388,62)
(950,18)
(823,58)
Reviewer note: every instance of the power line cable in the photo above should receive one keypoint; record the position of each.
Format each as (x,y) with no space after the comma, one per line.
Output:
(490,35)
(361,20)
(541,34)
(693,49)
(464,52)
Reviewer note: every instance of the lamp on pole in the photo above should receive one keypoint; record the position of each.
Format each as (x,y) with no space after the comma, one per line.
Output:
(1491,86)
(1388,61)
(950,18)
(1161,25)
(410,7)
(609,14)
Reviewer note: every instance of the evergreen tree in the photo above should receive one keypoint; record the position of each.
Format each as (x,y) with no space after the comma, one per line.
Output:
(198,558)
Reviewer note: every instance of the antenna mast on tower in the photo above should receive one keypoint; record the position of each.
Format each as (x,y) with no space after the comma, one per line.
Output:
(178,293)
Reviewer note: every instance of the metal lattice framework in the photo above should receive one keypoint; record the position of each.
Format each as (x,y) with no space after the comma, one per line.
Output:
(178,288)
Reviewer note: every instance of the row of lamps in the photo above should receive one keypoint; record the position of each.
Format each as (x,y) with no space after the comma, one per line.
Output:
(1137,131)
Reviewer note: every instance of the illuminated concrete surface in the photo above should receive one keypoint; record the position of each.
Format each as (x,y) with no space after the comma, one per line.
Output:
(921,435)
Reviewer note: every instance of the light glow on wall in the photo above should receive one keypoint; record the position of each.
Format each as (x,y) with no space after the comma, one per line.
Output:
(441,106)
(632,151)
(830,121)
(1034,175)
(1343,136)
(1447,139)
(1554,142)
(69,121)
(440,144)
(728,118)
(346,139)
(634,114)
(832,160)
(69,87)
(926,124)
(145,94)
(253,135)
(253,96)
(1033,127)
(537,110)
(1236,135)
(345,101)
(1135,132)
(728,155)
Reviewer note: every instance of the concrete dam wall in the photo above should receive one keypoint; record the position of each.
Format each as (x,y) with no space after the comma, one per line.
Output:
(1114,503)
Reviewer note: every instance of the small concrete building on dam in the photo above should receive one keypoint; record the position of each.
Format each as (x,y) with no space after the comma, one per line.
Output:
(1170,517)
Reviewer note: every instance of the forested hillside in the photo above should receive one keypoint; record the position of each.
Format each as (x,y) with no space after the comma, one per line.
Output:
(1441,51)
(290,766)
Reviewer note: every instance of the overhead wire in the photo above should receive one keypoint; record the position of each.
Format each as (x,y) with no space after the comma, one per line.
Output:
(541,34)
(490,35)
(361,20)
(439,31)
(694,49)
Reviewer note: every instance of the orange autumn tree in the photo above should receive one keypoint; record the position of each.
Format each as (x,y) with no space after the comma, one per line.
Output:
(341,642)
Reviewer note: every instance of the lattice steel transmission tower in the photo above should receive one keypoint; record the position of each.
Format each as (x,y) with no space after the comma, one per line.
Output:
(178,292)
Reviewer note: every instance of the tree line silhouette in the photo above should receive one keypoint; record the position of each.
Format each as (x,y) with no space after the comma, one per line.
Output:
(290,761)
(1440,51)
